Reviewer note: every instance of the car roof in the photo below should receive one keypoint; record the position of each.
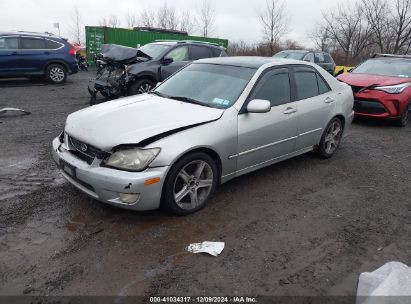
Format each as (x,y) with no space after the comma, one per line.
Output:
(303,51)
(23,33)
(191,42)
(295,51)
(249,61)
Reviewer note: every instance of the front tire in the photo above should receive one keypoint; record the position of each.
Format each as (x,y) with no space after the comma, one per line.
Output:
(190,183)
(331,139)
(405,117)
(140,87)
(56,73)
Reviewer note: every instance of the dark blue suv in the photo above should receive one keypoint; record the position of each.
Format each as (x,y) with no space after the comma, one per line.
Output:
(34,54)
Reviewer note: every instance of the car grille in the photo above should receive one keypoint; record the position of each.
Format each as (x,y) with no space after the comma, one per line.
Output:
(85,151)
(368,107)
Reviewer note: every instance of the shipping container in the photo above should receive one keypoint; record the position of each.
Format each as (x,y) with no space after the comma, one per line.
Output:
(98,35)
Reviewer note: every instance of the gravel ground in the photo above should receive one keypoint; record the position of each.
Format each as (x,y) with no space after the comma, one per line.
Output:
(302,227)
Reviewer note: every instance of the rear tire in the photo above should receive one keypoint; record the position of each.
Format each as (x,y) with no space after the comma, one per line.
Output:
(140,87)
(331,139)
(405,117)
(190,184)
(56,73)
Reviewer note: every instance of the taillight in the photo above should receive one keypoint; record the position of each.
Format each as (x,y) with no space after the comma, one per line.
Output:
(72,51)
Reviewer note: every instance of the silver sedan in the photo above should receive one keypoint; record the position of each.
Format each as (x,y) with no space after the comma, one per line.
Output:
(212,121)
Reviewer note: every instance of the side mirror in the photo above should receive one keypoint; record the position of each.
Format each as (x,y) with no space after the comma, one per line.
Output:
(259,106)
(167,60)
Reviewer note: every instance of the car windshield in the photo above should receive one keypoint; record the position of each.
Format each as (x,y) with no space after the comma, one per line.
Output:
(385,67)
(290,55)
(154,50)
(217,86)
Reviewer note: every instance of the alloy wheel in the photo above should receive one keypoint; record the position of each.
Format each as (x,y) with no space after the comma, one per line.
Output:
(57,74)
(144,88)
(193,184)
(333,137)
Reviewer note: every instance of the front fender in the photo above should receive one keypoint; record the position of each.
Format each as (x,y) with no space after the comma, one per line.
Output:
(219,136)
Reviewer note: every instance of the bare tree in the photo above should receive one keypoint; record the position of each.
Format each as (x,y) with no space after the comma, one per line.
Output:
(104,22)
(320,36)
(376,13)
(401,22)
(274,22)
(167,17)
(131,20)
(147,18)
(76,27)
(206,18)
(113,21)
(186,23)
(348,30)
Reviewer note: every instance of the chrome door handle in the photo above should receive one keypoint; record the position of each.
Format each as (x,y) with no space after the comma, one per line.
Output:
(290,110)
(329,100)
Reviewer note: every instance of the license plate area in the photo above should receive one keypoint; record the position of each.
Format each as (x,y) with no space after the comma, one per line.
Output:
(68,169)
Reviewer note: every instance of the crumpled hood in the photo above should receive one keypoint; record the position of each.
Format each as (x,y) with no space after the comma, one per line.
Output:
(363,80)
(132,119)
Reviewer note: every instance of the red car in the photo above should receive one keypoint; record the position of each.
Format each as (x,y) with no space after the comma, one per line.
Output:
(382,87)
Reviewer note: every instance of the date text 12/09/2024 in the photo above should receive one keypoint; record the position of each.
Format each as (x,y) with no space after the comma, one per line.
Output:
(203,299)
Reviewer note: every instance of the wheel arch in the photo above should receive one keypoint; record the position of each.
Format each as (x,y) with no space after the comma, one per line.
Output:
(207,150)
(340,117)
(65,66)
(141,76)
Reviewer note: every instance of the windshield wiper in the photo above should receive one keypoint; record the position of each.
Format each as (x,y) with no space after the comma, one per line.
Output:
(189,100)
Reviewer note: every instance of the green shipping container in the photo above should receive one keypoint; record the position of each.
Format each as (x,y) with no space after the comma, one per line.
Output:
(97,35)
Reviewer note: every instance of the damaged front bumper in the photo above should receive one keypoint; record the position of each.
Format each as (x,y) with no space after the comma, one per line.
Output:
(129,190)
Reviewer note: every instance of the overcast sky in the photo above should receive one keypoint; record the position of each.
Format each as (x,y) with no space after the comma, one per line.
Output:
(235,19)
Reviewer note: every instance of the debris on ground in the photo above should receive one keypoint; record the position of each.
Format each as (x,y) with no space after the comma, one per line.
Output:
(391,279)
(5,110)
(213,248)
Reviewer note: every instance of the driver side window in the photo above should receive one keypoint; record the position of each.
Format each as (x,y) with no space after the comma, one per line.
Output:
(274,87)
(179,54)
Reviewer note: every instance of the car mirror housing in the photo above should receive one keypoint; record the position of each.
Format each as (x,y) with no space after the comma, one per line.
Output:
(259,106)
(167,60)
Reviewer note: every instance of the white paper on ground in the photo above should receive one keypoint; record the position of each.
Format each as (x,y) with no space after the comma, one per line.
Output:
(213,248)
(391,279)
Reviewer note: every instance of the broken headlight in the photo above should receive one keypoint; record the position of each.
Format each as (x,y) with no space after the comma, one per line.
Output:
(135,159)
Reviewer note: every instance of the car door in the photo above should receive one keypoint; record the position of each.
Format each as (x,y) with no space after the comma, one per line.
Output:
(199,52)
(9,54)
(315,104)
(180,56)
(34,53)
(266,136)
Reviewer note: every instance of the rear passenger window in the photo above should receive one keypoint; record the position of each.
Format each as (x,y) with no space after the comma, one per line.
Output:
(306,83)
(215,52)
(33,43)
(322,85)
(319,58)
(328,58)
(52,45)
(199,52)
(274,87)
(9,43)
